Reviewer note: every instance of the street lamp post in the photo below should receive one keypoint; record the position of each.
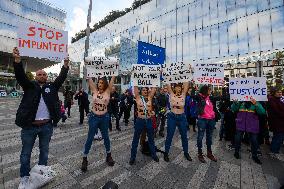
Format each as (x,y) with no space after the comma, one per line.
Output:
(87,45)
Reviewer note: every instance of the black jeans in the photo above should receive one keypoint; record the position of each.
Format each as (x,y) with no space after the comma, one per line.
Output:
(126,111)
(253,141)
(82,110)
(114,114)
(161,121)
(67,105)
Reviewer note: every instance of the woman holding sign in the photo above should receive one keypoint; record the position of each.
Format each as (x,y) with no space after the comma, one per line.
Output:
(247,121)
(99,118)
(177,118)
(144,110)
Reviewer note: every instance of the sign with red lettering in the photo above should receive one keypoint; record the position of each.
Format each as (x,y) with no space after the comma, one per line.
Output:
(42,42)
(209,73)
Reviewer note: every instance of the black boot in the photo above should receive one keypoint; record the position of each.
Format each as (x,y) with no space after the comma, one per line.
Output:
(237,155)
(84,164)
(166,157)
(132,161)
(109,160)
(187,156)
(256,160)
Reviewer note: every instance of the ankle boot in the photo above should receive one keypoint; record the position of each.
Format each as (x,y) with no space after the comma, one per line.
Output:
(210,156)
(84,164)
(166,157)
(109,160)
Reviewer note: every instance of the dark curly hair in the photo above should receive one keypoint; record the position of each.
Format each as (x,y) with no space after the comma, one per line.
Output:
(204,90)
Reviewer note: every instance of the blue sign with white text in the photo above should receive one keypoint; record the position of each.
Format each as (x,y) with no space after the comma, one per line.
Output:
(149,54)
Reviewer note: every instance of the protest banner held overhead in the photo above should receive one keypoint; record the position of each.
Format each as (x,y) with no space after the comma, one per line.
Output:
(101,66)
(243,89)
(177,72)
(42,42)
(209,73)
(146,75)
(149,54)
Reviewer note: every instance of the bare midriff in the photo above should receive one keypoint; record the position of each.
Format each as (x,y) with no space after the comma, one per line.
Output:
(141,111)
(100,102)
(177,103)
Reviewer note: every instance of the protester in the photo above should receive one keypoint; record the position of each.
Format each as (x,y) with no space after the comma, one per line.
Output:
(275,110)
(113,108)
(126,102)
(68,99)
(99,118)
(191,109)
(224,107)
(206,121)
(38,111)
(83,103)
(177,118)
(144,109)
(247,121)
(161,112)
(62,112)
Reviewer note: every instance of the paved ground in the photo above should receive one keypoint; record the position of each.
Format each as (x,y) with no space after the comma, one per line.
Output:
(69,138)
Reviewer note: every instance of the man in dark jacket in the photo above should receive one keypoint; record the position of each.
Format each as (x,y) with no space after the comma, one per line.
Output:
(68,99)
(113,108)
(126,102)
(38,111)
(83,103)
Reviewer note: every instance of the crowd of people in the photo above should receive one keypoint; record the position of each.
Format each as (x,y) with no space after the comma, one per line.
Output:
(181,105)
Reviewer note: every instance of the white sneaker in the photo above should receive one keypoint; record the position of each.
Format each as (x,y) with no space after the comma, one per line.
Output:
(41,169)
(38,180)
(24,183)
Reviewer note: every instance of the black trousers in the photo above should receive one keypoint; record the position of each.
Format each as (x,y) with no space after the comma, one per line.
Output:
(82,110)
(126,111)
(67,105)
(114,113)
(161,121)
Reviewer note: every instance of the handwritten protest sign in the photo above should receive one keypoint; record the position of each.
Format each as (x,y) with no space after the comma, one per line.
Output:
(101,67)
(146,75)
(243,89)
(42,42)
(149,54)
(176,72)
(209,73)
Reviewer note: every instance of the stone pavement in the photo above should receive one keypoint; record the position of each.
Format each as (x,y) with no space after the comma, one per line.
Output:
(65,157)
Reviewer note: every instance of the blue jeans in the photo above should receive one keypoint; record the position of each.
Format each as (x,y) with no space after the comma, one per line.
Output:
(173,121)
(97,122)
(28,137)
(205,125)
(277,141)
(138,128)
(253,141)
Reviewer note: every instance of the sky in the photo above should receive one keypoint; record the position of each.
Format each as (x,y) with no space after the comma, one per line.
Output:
(77,11)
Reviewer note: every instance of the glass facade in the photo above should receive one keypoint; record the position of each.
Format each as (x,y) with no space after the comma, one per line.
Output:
(15,12)
(198,30)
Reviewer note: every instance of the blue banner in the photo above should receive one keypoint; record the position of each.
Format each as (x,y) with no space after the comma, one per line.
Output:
(149,54)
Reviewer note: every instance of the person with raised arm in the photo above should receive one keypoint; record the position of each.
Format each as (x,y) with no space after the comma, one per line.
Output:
(38,113)
(177,117)
(99,118)
(144,110)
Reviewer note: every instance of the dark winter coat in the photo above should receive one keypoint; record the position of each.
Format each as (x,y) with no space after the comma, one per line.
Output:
(275,110)
(27,110)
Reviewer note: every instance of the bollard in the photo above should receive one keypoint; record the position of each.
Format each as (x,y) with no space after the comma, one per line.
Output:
(110,185)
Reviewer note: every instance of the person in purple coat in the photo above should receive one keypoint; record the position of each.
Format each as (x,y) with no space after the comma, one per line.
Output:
(247,121)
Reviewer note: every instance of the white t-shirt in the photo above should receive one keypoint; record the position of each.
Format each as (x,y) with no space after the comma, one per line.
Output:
(42,111)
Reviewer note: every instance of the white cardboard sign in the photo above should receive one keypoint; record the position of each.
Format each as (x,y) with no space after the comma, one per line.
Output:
(146,75)
(209,73)
(243,89)
(177,73)
(101,67)
(42,42)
